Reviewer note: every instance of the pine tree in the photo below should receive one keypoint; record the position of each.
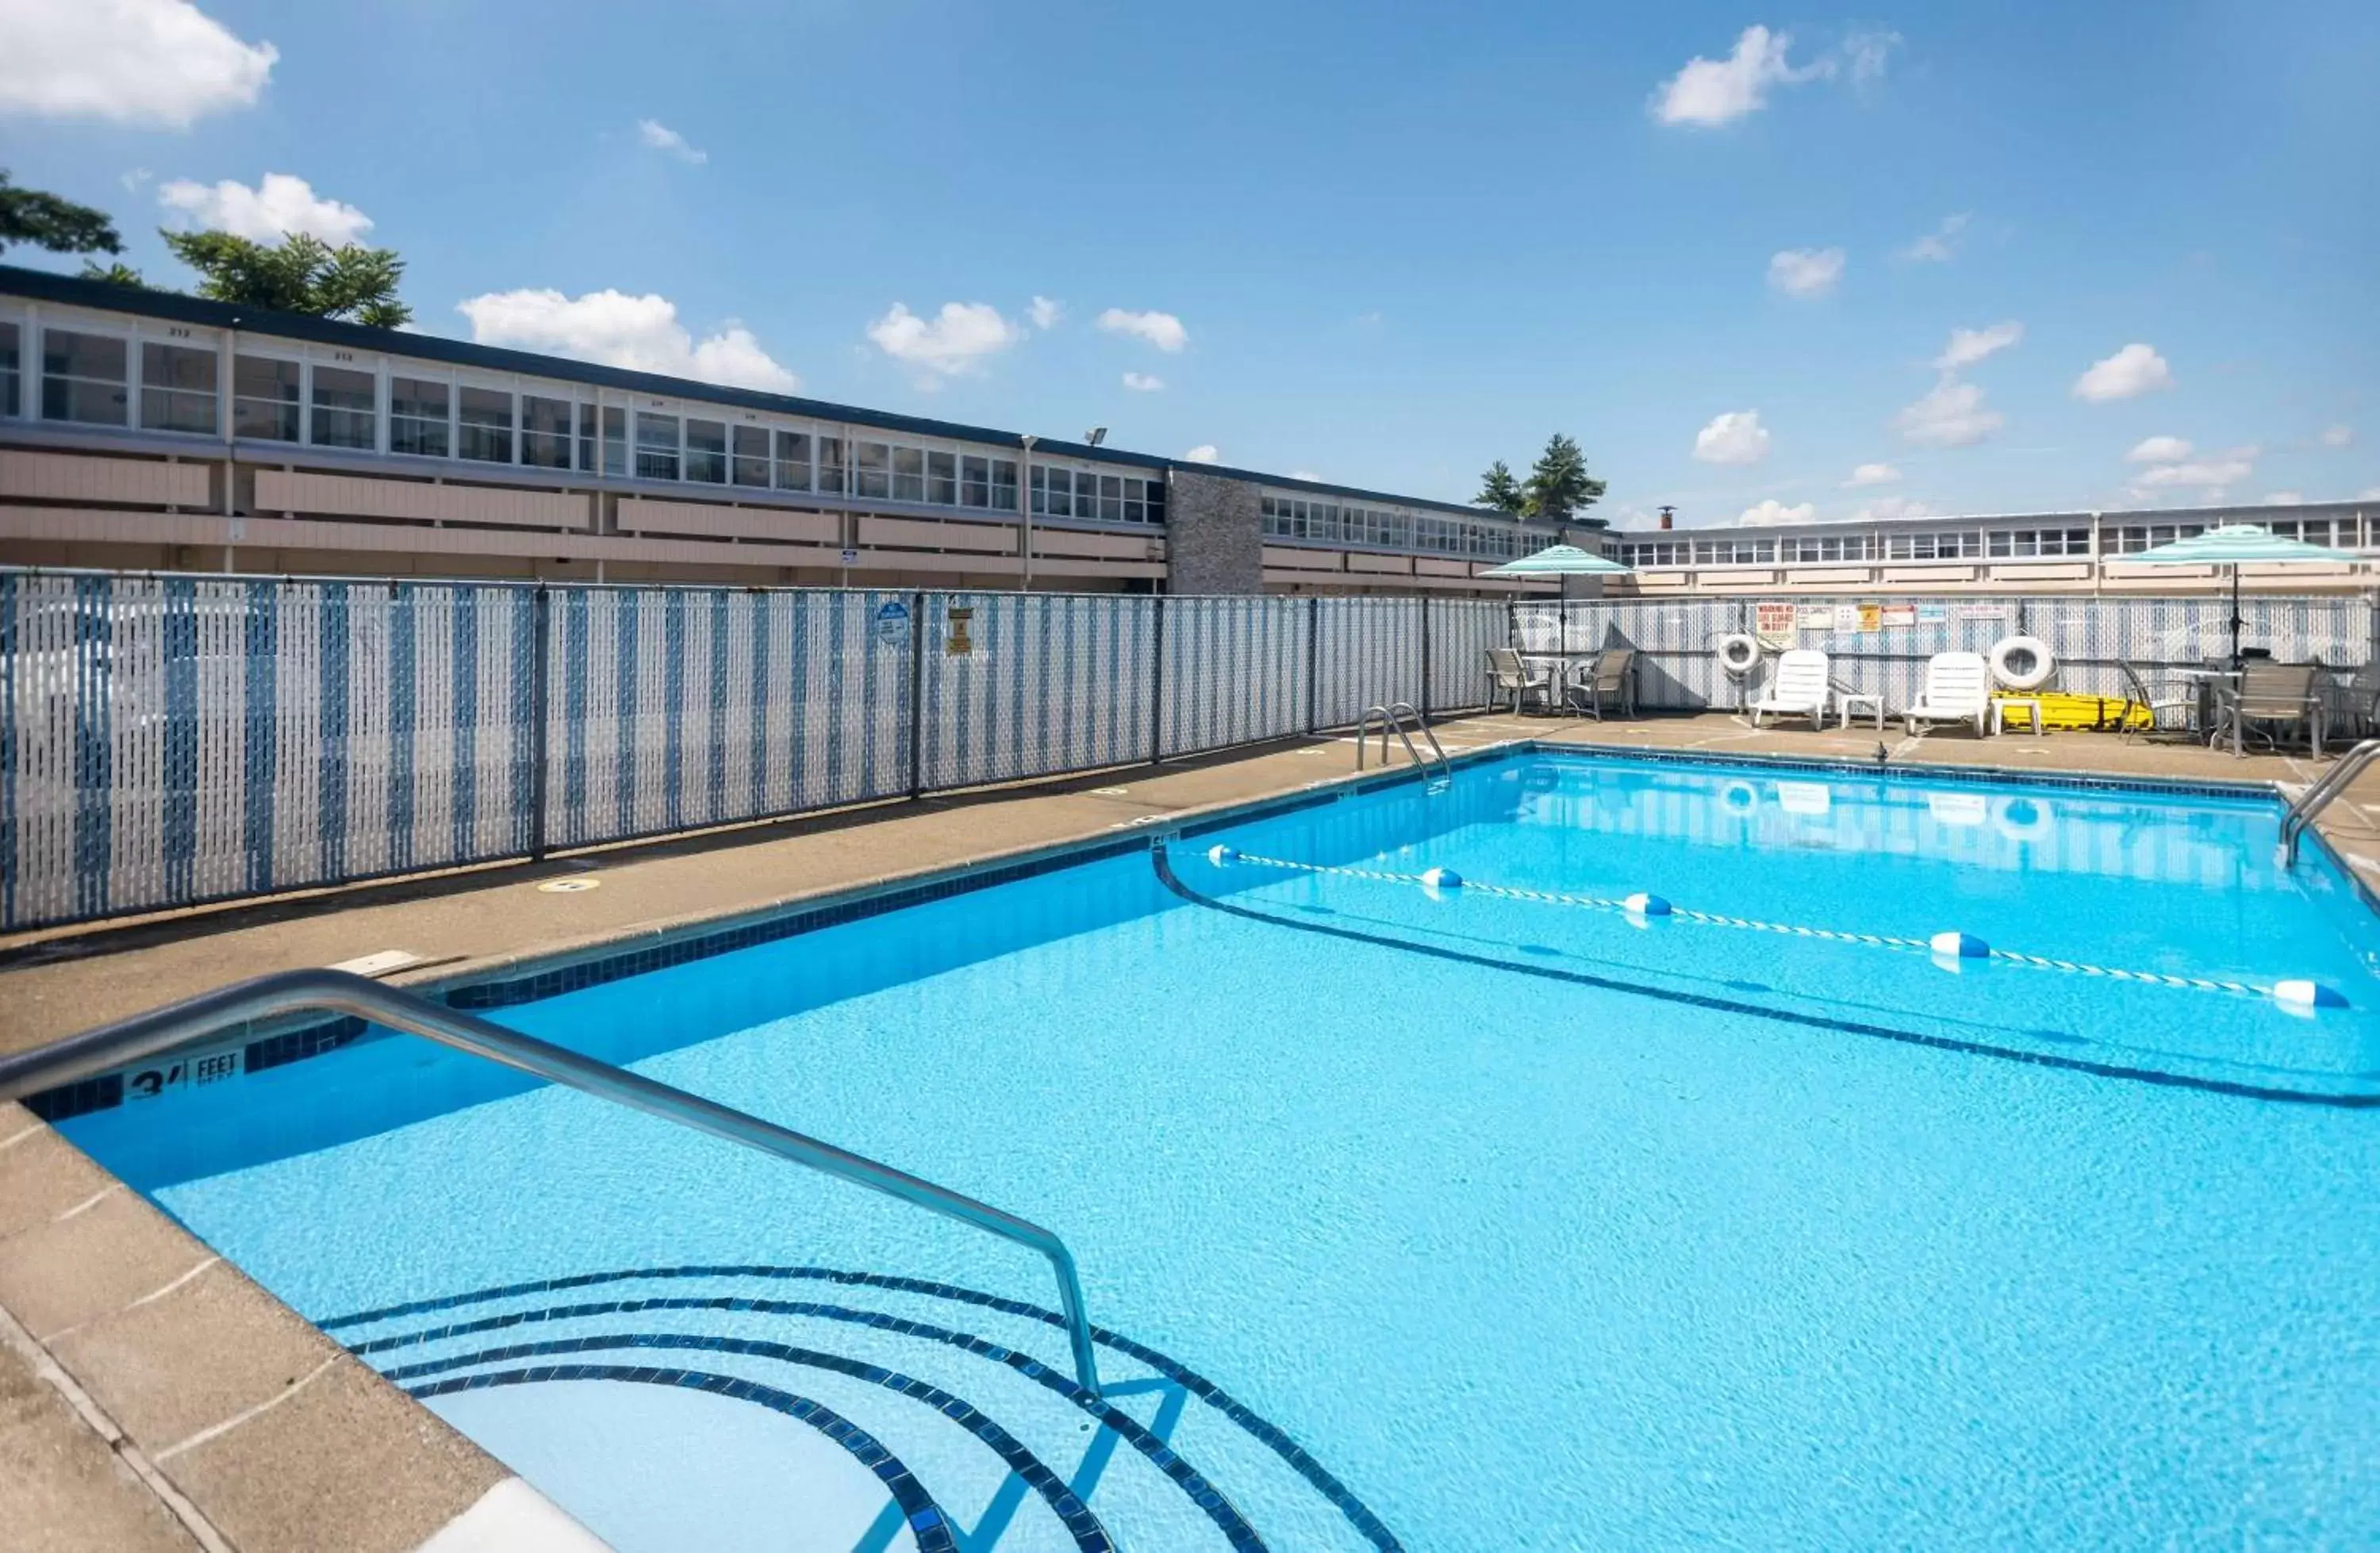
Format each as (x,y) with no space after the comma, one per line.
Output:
(1559,488)
(1500,491)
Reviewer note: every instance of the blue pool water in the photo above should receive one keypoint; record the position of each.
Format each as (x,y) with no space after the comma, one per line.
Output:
(1470,1218)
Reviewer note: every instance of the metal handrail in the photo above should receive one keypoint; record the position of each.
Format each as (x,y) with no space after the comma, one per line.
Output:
(2314,799)
(145,1035)
(1392,717)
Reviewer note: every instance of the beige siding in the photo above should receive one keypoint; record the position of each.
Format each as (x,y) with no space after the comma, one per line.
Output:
(981,538)
(1112,547)
(638,514)
(68,477)
(363,496)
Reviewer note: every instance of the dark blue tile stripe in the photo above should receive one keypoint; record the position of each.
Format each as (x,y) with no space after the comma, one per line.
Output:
(926,1522)
(1255,1423)
(1080,1523)
(1201,1490)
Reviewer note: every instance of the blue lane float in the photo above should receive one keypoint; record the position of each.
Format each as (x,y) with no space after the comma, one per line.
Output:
(1956,945)
(2302,994)
(1643,905)
(1439,882)
(1222,856)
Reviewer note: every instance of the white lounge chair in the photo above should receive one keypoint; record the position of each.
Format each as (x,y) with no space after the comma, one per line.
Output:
(1958,689)
(1801,687)
(1518,679)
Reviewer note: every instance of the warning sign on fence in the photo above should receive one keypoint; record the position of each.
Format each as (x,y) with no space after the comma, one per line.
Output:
(1775,624)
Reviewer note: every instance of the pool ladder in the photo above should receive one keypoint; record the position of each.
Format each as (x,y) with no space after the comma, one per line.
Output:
(2318,798)
(1396,715)
(266,997)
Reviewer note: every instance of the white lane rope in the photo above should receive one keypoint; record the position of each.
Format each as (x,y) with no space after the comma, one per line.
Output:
(1440,880)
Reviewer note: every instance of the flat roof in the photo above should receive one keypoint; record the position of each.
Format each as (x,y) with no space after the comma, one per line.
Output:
(2247,512)
(47,285)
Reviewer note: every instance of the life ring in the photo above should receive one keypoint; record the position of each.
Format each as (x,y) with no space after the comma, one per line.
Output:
(1739,654)
(2024,819)
(2022,662)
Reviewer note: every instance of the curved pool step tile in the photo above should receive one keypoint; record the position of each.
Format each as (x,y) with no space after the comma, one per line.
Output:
(965,1387)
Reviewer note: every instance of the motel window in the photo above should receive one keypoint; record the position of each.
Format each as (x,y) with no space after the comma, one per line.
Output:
(486,425)
(83,377)
(418,409)
(751,455)
(264,399)
(177,388)
(587,438)
(908,474)
(545,431)
(1156,501)
(11,369)
(706,451)
(1003,485)
(830,464)
(793,461)
(1110,498)
(344,406)
(656,446)
(1135,509)
(1054,493)
(975,481)
(615,439)
(872,468)
(943,479)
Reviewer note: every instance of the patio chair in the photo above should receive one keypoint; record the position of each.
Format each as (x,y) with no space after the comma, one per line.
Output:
(1801,686)
(1957,688)
(2274,697)
(2354,703)
(1610,673)
(2172,704)
(1510,675)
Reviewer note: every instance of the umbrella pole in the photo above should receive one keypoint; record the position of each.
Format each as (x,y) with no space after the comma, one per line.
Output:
(2236,621)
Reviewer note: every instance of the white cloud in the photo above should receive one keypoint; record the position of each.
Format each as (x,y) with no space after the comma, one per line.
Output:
(1772,512)
(1968,346)
(1714,91)
(1867,53)
(953,342)
(2132,372)
(661,136)
(136,180)
(639,332)
(1203,453)
(1884,509)
(1163,330)
(138,62)
(1045,313)
(1872,474)
(1805,271)
(1143,382)
(2159,450)
(2368,493)
(2337,436)
(1950,415)
(2283,499)
(2210,476)
(280,205)
(1939,245)
(1305,474)
(1736,437)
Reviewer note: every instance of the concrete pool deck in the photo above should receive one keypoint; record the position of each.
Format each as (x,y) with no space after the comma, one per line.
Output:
(154,1397)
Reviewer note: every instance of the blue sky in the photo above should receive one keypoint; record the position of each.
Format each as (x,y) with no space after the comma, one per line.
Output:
(1379,245)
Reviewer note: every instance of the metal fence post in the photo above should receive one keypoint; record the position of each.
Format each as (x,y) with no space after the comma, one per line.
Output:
(540,693)
(1425,658)
(1313,662)
(1157,686)
(916,696)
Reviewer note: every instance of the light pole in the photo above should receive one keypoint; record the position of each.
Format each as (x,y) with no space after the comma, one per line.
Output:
(1025,509)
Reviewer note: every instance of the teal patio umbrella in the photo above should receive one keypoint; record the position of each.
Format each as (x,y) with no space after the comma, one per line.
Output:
(1557,561)
(2236,545)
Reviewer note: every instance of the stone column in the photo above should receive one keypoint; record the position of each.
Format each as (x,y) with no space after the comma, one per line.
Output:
(1214,534)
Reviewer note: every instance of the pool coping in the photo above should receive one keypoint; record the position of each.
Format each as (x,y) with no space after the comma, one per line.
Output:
(446,1469)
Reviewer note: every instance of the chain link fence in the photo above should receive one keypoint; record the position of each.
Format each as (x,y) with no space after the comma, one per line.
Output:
(166,741)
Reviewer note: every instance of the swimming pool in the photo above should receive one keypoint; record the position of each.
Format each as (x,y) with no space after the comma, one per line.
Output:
(1431,1196)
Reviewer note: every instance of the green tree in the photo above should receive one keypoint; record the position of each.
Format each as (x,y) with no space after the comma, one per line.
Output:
(30,215)
(299,274)
(1500,491)
(117,272)
(1559,488)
